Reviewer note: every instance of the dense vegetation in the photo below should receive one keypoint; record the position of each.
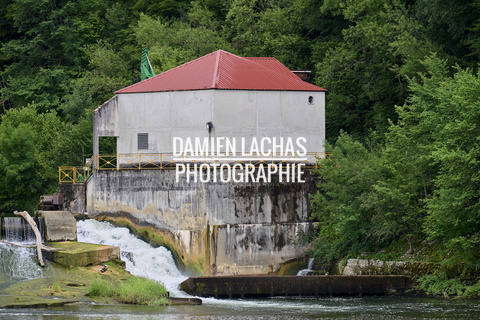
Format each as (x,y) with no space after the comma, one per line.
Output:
(403,109)
(421,181)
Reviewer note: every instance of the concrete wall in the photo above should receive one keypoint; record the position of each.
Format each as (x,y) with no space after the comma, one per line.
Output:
(59,225)
(270,286)
(105,122)
(234,113)
(75,201)
(243,228)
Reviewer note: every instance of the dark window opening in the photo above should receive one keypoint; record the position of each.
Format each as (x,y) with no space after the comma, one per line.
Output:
(107,145)
(142,141)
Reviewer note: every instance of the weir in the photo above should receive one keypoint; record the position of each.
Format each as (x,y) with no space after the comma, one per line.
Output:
(141,259)
(18,263)
(16,229)
(269,286)
(218,228)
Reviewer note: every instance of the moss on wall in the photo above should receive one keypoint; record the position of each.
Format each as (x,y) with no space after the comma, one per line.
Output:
(292,267)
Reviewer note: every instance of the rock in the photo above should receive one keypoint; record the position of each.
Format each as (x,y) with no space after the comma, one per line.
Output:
(17,302)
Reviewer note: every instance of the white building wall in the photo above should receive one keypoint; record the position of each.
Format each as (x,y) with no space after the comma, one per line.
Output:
(234,113)
(163,115)
(242,113)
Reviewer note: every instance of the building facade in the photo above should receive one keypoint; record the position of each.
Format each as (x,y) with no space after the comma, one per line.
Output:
(227,228)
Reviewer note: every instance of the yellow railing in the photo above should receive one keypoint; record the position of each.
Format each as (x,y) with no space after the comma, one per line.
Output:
(70,174)
(166,161)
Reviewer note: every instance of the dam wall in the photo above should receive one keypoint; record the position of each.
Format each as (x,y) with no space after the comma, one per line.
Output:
(223,228)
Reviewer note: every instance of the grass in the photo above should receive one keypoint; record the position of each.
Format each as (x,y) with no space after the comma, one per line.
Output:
(101,288)
(134,290)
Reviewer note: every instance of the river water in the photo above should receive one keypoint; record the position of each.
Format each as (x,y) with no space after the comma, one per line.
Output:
(157,264)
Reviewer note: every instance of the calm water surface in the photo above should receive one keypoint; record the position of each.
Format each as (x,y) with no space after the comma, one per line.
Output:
(276,308)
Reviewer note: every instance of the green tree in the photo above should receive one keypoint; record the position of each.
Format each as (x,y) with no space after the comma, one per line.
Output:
(75,143)
(268,28)
(440,126)
(17,168)
(451,25)
(28,166)
(163,8)
(46,51)
(107,73)
(365,72)
(175,42)
(347,178)
(421,183)
(454,209)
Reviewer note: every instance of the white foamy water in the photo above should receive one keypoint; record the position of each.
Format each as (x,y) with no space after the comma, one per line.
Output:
(304,272)
(141,259)
(17,263)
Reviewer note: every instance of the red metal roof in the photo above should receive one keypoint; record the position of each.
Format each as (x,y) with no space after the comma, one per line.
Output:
(224,70)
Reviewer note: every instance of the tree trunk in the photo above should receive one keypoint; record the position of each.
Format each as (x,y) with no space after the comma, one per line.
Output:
(32,223)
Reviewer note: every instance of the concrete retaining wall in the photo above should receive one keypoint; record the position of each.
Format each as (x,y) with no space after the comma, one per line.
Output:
(378,267)
(75,201)
(228,228)
(265,286)
(408,268)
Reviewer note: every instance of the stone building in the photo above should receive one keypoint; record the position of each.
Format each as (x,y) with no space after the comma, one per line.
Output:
(221,227)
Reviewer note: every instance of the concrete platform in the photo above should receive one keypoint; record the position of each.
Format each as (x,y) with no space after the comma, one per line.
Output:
(266,286)
(79,254)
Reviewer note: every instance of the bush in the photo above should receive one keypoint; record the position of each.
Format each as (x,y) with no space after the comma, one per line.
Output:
(134,290)
(440,284)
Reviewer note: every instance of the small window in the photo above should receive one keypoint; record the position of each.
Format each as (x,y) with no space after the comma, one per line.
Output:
(143,141)
(310,100)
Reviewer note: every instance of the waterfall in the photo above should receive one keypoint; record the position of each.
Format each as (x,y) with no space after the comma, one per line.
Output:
(16,229)
(304,272)
(140,258)
(18,263)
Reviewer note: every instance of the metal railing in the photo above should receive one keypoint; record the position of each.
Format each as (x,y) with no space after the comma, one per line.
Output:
(71,174)
(168,161)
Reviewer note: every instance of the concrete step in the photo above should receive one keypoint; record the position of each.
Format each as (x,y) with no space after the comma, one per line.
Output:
(79,254)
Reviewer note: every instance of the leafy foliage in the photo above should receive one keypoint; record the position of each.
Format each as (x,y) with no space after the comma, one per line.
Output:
(441,285)
(366,70)
(422,182)
(173,43)
(27,156)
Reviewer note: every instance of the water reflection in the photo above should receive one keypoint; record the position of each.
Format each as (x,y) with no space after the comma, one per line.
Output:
(374,308)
